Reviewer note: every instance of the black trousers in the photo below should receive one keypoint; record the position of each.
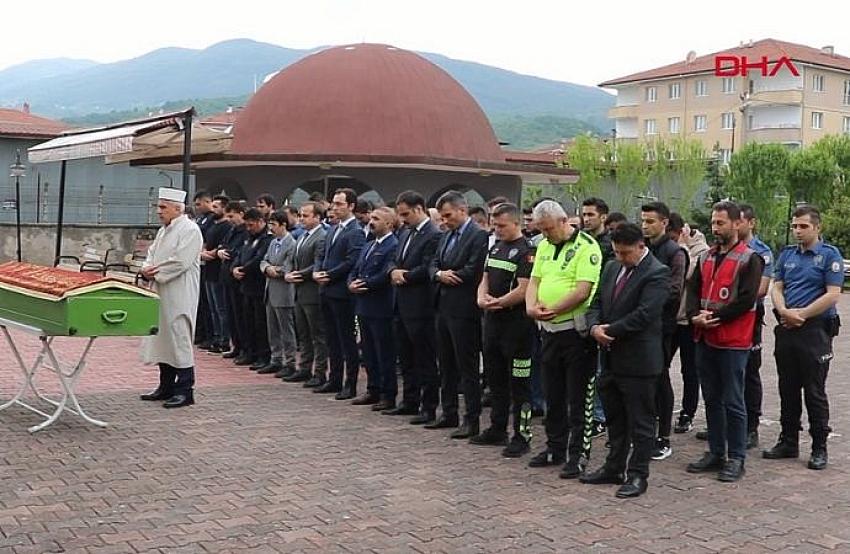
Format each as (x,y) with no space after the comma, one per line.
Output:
(376,338)
(629,404)
(342,342)
(684,341)
(567,368)
(203,319)
(802,361)
(417,350)
(257,337)
(173,380)
(752,376)
(664,392)
(458,348)
(507,365)
(236,313)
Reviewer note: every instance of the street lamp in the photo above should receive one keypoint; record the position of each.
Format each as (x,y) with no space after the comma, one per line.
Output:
(17,170)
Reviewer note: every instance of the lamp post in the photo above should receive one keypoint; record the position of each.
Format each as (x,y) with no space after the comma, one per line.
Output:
(17,170)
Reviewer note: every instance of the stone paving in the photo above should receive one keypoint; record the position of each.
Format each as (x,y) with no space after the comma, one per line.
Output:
(261,466)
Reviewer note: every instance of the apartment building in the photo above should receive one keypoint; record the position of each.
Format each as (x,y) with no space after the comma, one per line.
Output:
(688,99)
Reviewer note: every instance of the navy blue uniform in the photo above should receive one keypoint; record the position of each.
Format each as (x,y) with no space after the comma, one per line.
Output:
(753,391)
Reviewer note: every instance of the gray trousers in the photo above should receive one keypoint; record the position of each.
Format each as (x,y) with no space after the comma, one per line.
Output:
(312,344)
(281,329)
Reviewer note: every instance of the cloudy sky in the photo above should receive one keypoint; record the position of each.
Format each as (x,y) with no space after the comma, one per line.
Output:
(583,42)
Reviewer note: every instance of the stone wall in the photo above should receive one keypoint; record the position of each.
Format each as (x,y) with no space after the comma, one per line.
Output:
(39,240)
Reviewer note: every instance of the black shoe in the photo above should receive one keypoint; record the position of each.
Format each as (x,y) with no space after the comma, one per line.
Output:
(708,462)
(218,349)
(284,372)
(157,394)
(597,429)
(298,377)
(179,400)
(702,435)
(819,458)
(490,437)
(261,364)
(383,406)
(784,448)
(662,449)
(732,470)
(602,476)
(230,355)
(517,448)
(366,399)
(270,368)
(752,439)
(572,469)
(313,382)
(424,418)
(632,488)
(684,424)
(205,345)
(328,388)
(465,431)
(347,393)
(547,458)
(402,409)
(443,423)
(244,360)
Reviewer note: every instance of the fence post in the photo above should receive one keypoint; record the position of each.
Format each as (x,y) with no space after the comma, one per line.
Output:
(100,205)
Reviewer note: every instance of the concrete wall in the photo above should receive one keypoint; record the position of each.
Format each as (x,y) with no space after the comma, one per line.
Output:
(38,240)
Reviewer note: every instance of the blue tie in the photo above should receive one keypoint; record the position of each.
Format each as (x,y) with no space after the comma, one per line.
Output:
(451,242)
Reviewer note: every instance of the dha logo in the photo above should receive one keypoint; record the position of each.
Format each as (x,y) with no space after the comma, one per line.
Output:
(733,66)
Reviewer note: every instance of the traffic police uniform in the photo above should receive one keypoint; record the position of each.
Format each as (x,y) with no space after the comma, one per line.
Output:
(803,354)
(508,336)
(752,377)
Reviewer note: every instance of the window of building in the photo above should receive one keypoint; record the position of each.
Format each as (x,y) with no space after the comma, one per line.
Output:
(751,122)
(845,127)
(817,120)
(674,91)
(847,93)
(728,85)
(699,123)
(817,83)
(673,125)
(700,88)
(727,120)
(649,127)
(651,94)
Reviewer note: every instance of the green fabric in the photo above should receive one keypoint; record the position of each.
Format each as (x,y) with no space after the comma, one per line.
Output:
(580,260)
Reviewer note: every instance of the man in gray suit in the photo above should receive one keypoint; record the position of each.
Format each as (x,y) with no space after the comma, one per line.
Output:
(309,323)
(280,298)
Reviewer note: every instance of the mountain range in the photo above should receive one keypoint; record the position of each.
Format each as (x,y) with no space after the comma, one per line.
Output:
(533,111)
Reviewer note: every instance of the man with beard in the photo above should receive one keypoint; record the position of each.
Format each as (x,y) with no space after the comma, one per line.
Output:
(214,287)
(246,270)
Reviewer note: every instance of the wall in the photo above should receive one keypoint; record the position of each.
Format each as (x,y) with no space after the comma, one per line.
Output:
(38,240)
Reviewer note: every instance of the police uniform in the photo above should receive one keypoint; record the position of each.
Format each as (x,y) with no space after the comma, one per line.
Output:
(752,378)
(803,354)
(508,335)
(565,355)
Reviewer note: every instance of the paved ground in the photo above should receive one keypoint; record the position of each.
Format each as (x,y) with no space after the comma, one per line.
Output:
(261,466)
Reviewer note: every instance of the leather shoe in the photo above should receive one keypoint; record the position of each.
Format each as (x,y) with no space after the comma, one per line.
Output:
(632,488)
(383,405)
(328,388)
(366,399)
(298,377)
(260,364)
(708,462)
(157,394)
(244,360)
(179,400)
(732,470)
(401,409)
(467,430)
(819,459)
(284,372)
(345,394)
(314,382)
(782,449)
(443,423)
(546,458)
(424,418)
(602,476)
(230,355)
(572,470)
(269,368)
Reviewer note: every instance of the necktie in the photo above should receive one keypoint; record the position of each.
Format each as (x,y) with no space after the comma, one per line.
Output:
(412,234)
(301,240)
(450,243)
(337,231)
(371,249)
(621,283)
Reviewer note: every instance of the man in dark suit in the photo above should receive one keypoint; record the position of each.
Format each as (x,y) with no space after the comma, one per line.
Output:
(625,320)
(252,283)
(309,322)
(457,269)
(342,248)
(369,282)
(416,338)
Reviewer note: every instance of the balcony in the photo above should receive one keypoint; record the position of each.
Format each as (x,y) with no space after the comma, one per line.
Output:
(783,132)
(623,112)
(783,97)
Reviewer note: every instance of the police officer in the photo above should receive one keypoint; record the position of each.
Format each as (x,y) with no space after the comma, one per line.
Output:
(507,332)
(752,377)
(807,284)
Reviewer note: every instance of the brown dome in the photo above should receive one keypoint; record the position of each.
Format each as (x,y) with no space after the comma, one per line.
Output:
(366,100)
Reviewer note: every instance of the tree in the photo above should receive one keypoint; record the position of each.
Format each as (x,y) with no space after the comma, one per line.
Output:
(631,175)
(587,155)
(812,176)
(836,224)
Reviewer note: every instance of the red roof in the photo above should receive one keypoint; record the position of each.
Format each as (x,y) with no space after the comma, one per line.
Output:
(222,118)
(544,158)
(773,49)
(17,123)
(366,100)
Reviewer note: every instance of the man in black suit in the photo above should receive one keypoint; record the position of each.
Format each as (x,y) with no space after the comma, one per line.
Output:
(457,269)
(625,320)
(342,248)
(252,285)
(309,322)
(416,339)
